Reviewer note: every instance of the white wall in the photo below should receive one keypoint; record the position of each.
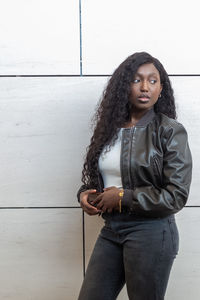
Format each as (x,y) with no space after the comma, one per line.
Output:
(46,102)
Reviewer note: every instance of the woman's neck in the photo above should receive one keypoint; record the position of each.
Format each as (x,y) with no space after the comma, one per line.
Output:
(135,117)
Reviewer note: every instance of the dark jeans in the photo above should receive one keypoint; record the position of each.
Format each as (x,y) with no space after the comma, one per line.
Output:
(133,250)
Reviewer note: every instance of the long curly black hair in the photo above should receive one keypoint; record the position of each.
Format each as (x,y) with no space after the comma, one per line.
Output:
(114,110)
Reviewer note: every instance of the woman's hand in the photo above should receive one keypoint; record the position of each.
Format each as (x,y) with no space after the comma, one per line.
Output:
(88,208)
(108,200)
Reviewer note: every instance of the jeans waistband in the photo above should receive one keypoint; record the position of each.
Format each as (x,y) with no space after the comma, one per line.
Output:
(124,215)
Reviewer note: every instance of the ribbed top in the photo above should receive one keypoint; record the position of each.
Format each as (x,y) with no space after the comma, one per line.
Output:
(109,164)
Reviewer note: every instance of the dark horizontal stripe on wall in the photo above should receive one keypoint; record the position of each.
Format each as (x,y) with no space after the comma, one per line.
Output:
(57,75)
(184,75)
(38,207)
(90,75)
(43,75)
(192,206)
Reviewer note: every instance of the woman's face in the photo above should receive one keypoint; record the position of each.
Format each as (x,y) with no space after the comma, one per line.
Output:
(145,87)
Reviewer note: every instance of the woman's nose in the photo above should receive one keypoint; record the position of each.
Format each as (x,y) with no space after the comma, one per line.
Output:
(144,86)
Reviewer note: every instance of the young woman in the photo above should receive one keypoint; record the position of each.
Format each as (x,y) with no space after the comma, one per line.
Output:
(137,175)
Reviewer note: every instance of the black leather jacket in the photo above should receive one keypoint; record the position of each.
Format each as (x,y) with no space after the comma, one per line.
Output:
(156,166)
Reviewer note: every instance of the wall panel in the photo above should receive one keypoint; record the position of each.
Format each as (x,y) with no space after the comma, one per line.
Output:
(188,107)
(40,254)
(112,30)
(44,129)
(39,37)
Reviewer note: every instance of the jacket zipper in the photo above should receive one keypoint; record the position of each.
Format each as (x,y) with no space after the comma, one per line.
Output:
(129,159)
(131,141)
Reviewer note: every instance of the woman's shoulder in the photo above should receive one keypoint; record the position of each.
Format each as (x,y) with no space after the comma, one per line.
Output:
(169,128)
(167,122)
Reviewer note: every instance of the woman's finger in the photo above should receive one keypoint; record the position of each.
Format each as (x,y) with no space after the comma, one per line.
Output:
(98,199)
(88,208)
(90,191)
(100,205)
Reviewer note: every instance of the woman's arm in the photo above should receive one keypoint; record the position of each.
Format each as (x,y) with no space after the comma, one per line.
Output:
(176,178)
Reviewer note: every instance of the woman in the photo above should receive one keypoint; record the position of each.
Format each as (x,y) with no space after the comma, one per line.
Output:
(137,174)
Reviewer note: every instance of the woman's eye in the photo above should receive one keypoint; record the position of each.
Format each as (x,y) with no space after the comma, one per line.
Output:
(153,81)
(136,80)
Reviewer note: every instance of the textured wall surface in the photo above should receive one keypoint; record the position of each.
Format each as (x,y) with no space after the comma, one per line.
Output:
(55,60)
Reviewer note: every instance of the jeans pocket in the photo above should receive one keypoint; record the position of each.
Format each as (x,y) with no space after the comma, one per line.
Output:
(174,235)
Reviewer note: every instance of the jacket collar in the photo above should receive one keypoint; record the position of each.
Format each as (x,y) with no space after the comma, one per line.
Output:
(150,114)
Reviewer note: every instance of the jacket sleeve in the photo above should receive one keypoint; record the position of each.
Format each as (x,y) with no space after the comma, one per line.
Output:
(176,177)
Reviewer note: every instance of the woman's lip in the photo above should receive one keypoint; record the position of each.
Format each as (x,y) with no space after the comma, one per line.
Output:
(143,99)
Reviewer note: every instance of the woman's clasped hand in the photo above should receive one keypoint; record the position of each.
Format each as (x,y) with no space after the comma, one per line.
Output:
(104,202)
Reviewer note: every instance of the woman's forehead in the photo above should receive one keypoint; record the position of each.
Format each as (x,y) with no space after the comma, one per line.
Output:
(147,69)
